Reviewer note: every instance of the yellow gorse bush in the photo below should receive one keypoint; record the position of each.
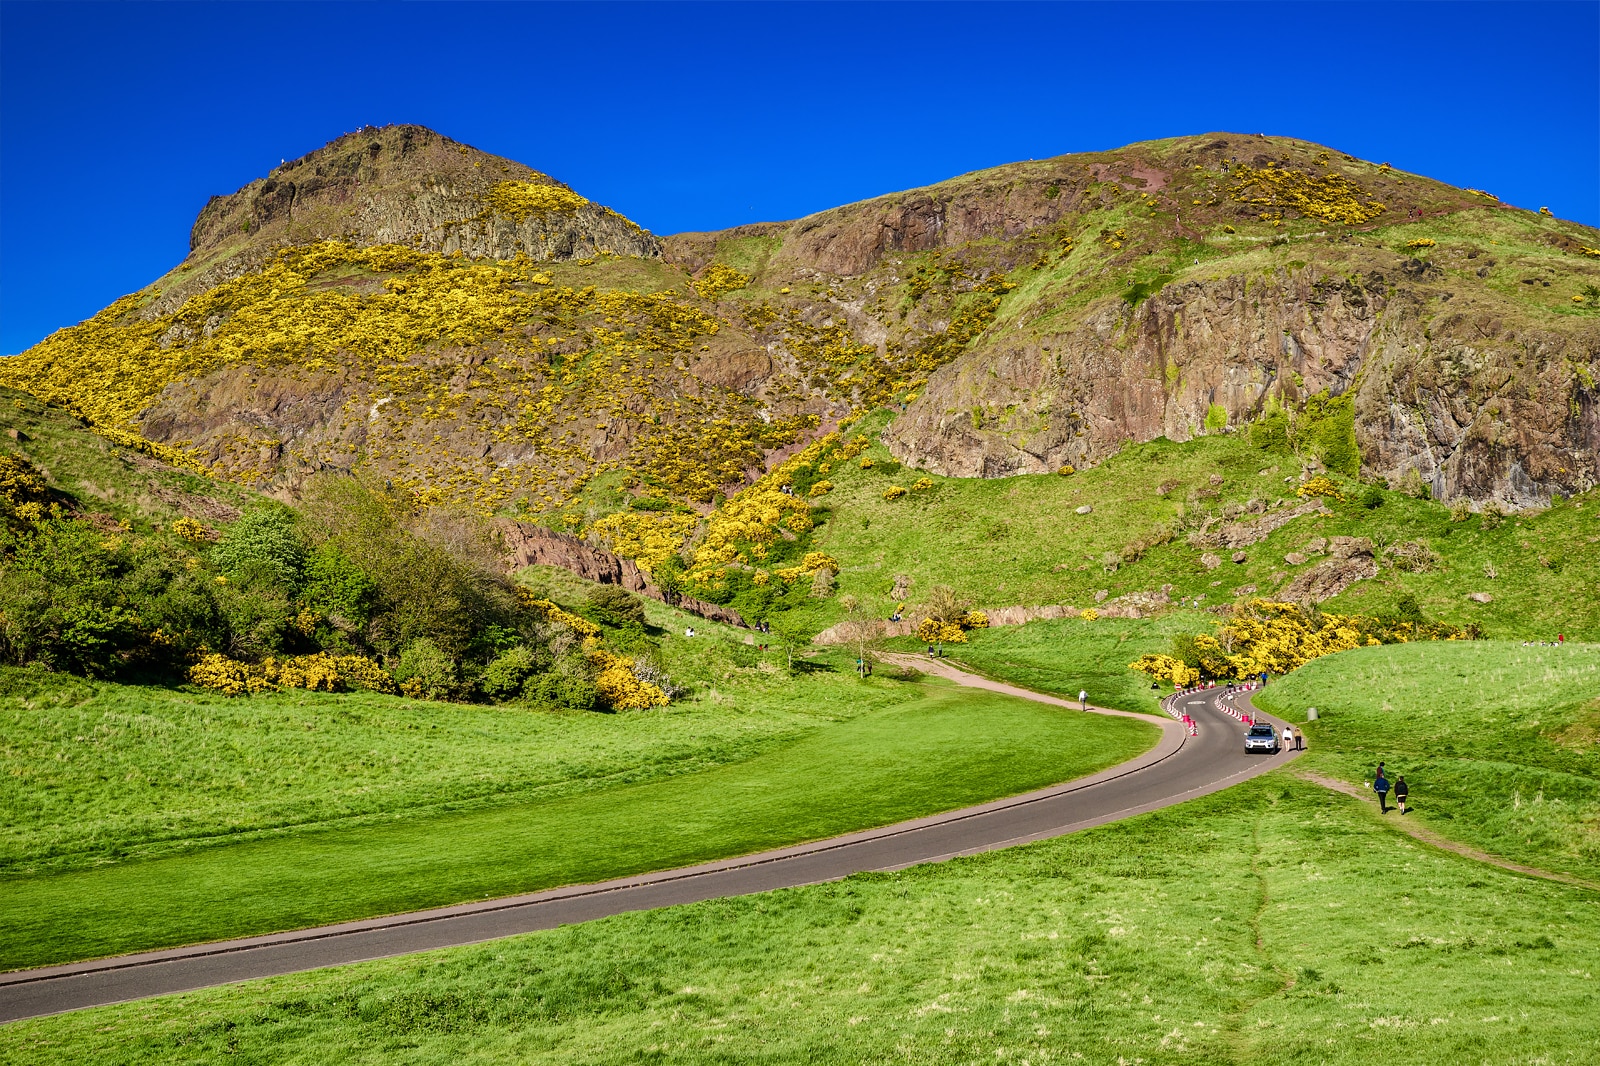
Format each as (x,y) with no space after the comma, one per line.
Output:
(1332,198)
(554,613)
(1266,636)
(191,529)
(618,685)
(719,278)
(517,200)
(745,527)
(20,483)
(931,630)
(321,672)
(646,537)
(1319,486)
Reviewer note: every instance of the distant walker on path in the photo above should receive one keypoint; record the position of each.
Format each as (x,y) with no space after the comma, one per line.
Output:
(1400,792)
(1083,699)
(1380,785)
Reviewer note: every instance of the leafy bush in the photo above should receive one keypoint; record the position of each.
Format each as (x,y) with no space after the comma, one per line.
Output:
(1372,498)
(338,588)
(425,671)
(505,677)
(263,543)
(561,690)
(615,606)
(1327,429)
(1270,432)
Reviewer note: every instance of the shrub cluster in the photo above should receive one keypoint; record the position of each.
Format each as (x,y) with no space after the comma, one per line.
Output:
(360,589)
(1275,638)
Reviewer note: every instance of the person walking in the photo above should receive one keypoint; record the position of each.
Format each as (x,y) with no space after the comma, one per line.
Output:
(1287,743)
(1400,791)
(1380,785)
(1083,699)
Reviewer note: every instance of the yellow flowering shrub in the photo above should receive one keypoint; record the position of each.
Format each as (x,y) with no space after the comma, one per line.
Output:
(1319,486)
(921,484)
(808,567)
(744,528)
(1332,198)
(617,684)
(553,613)
(821,488)
(20,483)
(319,673)
(1089,614)
(1166,668)
(646,537)
(931,630)
(191,529)
(717,279)
(1422,242)
(1263,635)
(893,492)
(517,200)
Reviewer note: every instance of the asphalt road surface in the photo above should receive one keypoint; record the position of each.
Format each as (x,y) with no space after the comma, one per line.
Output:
(1181,767)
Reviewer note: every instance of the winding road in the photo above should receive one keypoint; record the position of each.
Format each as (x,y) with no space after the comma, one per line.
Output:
(1181,767)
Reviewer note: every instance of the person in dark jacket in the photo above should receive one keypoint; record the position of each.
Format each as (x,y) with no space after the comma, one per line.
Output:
(1400,791)
(1380,785)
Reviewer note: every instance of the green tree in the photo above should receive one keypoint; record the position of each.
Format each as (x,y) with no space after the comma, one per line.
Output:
(263,543)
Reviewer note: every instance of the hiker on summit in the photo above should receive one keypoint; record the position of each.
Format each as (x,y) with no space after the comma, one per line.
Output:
(1380,785)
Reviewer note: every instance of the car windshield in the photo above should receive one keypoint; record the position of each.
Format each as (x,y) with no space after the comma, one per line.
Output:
(1261,730)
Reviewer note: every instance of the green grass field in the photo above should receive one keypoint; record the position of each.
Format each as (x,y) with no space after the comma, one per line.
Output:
(1272,923)
(91,772)
(929,748)
(1496,740)
(1066,656)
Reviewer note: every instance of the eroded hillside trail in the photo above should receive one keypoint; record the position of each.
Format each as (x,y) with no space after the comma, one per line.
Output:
(1432,839)
(1179,767)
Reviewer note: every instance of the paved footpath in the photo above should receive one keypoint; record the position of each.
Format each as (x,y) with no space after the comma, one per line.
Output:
(1181,767)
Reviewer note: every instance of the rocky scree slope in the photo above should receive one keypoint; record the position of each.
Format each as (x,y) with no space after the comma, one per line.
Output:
(484,335)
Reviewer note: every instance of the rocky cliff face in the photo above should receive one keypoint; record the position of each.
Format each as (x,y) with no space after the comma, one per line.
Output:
(1442,381)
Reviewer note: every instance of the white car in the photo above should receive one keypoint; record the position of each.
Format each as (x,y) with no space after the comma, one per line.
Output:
(1261,737)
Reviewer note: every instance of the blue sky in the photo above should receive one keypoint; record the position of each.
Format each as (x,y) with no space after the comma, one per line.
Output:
(118,121)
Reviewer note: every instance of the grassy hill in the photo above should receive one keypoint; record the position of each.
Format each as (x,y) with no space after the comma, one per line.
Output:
(1020,540)
(1496,740)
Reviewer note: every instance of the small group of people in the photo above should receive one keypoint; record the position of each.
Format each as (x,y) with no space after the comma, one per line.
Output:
(1561,638)
(1380,785)
(1292,739)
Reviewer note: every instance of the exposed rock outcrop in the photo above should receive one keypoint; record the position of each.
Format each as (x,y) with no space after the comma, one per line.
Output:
(1350,559)
(1481,408)
(402,185)
(531,545)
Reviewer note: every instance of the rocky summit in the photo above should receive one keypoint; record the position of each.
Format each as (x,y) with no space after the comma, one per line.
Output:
(482,334)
